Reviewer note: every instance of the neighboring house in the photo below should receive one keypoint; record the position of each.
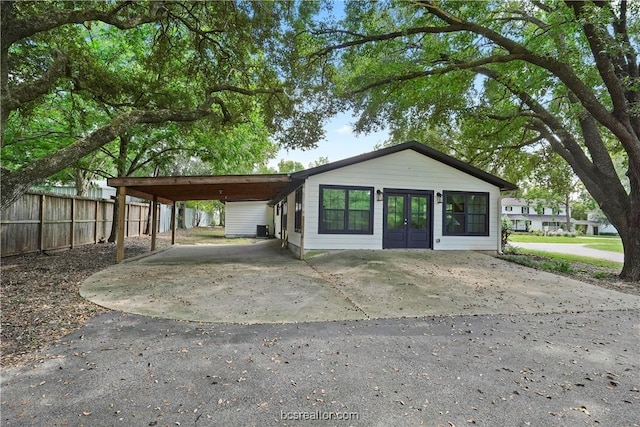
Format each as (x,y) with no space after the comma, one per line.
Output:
(524,215)
(595,226)
(405,196)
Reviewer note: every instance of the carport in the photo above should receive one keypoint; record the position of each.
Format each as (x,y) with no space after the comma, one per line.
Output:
(172,189)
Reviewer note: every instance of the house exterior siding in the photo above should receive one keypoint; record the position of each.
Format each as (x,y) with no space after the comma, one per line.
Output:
(294,237)
(407,170)
(529,216)
(242,218)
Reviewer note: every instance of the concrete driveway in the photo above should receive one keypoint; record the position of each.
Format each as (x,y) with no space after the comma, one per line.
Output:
(262,283)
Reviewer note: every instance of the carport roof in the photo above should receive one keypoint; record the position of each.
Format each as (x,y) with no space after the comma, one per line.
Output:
(169,189)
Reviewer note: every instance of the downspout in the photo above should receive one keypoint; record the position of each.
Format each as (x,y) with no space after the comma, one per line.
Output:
(499,222)
(302,232)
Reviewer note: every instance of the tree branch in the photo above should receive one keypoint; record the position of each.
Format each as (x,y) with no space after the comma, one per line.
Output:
(15,183)
(496,59)
(604,62)
(22,28)
(26,92)
(382,37)
(560,69)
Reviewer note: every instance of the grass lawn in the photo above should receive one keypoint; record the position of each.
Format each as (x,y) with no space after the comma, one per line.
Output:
(600,271)
(585,240)
(596,262)
(608,246)
(208,235)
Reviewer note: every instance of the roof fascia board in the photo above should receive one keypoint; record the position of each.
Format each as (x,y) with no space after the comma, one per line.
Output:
(197,180)
(293,185)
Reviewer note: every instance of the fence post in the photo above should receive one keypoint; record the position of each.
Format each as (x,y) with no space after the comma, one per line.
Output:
(73,224)
(42,212)
(95,223)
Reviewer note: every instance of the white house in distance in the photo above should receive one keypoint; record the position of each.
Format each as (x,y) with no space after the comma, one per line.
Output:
(594,225)
(405,196)
(525,217)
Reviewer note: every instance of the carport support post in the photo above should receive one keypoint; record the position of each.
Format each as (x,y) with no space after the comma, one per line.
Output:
(154,222)
(122,206)
(173,224)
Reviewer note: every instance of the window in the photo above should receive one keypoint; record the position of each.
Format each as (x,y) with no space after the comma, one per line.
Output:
(298,211)
(346,210)
(466,214)
(525,209)
(508,208)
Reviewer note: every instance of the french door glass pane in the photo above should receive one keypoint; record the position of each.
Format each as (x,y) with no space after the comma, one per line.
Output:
(418,212)
(395,212)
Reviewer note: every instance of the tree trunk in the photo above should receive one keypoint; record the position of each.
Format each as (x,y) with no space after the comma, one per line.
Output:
(631,242)
(182,211)
(121,165)
(567,211)
(147,228)
(114,225)
(82,181)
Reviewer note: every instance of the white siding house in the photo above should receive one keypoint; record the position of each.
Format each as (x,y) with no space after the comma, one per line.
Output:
(242,219)
(406,196)
(533,215)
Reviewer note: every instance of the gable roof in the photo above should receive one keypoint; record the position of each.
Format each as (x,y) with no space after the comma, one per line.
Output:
(417,147)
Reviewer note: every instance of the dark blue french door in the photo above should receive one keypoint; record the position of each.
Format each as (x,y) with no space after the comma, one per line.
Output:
(407,219)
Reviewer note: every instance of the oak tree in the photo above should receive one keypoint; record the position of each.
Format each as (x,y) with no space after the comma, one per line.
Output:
(120,66)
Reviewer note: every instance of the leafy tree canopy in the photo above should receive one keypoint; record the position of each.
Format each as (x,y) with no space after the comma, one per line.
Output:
(77,75)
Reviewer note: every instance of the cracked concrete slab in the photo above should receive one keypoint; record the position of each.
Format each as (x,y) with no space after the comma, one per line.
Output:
(263,283)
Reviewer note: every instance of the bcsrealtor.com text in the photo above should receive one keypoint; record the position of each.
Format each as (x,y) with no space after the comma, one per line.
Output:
(319,415)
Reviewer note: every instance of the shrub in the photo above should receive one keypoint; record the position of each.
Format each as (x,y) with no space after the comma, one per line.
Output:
(511,250)
(507,229)
(562,266)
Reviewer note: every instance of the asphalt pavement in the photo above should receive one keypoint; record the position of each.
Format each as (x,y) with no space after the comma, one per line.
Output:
(527,370)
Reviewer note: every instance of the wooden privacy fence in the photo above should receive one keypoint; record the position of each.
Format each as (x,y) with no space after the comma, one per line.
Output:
(43,221)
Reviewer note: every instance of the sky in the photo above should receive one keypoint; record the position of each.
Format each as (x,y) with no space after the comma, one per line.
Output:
(339,143)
